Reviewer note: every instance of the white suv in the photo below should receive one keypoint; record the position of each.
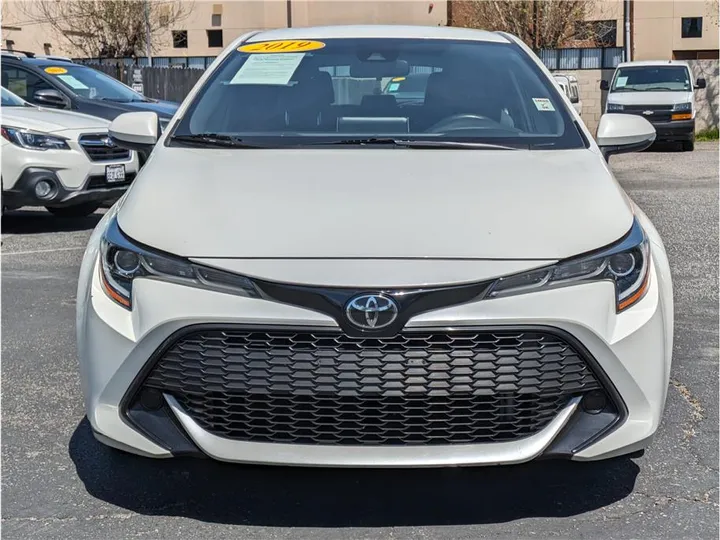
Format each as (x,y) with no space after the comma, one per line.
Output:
(61,160)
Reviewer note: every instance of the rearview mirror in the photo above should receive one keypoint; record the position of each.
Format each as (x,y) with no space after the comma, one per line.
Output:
(135,131)
(700,83)
(604,85)
(51,98)
(379,69)
(622,133)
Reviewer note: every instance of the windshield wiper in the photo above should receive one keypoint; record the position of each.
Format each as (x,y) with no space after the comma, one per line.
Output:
(214,140)
(405,143)
(115,100)
(652,88)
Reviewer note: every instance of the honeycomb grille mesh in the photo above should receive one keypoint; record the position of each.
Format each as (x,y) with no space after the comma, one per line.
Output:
(322,387)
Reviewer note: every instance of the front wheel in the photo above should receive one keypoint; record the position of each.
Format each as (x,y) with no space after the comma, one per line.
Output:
(689,146)
(74,211)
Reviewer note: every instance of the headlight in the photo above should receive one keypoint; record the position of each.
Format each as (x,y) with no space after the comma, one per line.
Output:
(682,107)
(626,264)
(122,262)
(615,107)
(34,140)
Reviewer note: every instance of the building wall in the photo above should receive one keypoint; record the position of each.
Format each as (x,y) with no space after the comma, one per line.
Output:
(706,100)
(238,17)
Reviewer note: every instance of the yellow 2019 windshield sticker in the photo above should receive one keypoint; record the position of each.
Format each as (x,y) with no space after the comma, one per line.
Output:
(55,70)
(285,46)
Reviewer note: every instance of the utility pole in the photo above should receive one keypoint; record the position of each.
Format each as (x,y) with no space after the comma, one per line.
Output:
(148,47)
(628,34)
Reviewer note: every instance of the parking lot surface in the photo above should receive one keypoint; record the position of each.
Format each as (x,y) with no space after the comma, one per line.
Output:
(58,482)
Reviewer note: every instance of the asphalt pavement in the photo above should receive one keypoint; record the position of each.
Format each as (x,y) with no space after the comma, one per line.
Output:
(58,482)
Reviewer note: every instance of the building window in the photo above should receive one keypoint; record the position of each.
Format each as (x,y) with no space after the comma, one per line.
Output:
(216,20)
(215,38)
(180,40)
(692,27)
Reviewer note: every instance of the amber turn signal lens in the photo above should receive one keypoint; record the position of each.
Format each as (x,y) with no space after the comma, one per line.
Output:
(639,294)
(682,116)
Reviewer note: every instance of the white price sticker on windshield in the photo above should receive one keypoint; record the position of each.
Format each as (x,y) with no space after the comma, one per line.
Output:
(621,81)
(543,104)
(268,69)
(72,82)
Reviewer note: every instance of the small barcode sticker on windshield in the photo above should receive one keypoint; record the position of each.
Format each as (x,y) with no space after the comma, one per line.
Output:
(543,104)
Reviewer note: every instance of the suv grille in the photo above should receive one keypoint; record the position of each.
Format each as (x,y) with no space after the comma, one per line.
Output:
(321,387)
(99,148)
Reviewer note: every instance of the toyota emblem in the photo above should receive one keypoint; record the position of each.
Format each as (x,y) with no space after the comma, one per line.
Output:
(371,311)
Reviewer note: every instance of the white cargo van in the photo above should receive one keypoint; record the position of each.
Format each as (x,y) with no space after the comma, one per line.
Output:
(569,85)
(662,91)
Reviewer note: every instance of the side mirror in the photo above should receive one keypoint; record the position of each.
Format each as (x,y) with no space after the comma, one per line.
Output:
(135,131)
(700,83)
(51,98)
(622,133)
(604,85)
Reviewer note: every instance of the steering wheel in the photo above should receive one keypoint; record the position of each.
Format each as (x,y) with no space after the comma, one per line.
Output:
(460,121)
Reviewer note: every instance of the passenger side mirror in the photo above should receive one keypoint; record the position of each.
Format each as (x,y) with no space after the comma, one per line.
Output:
(135,131)
(604,85)
(700,83)
(51,98)
(622,133)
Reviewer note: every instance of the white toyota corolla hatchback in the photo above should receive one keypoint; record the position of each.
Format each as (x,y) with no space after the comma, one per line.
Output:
(307,272)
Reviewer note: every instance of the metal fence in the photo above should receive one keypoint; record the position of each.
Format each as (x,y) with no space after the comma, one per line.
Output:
(591,58)
(163,81)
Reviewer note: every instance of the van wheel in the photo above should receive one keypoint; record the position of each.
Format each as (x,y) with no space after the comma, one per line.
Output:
(689,146)
(75,211)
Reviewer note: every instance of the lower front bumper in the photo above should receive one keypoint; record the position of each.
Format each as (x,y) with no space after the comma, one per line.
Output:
(95,190)
(679,130)
(115,345)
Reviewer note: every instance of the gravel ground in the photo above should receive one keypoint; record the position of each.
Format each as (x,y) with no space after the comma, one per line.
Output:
(59,483)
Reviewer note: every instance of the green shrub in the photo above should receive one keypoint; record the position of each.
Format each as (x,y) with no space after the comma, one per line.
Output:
(710,134)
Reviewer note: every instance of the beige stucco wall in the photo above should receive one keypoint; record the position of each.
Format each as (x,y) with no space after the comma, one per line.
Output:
(239,17)
(706,100)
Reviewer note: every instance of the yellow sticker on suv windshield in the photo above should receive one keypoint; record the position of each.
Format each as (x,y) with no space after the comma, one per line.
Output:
(55,70)
(285,46)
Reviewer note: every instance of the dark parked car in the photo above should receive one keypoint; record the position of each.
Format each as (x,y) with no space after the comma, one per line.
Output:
(62,84)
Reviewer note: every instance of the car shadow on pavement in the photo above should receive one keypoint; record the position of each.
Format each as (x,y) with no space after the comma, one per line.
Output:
(40,221)
(225,493)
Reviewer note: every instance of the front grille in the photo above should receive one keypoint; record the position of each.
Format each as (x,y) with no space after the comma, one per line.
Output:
(660,113)
(321,387)
(99,148)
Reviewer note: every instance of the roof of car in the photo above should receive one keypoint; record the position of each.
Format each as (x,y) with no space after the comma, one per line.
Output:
(653,63)
(35,61)
(379,31)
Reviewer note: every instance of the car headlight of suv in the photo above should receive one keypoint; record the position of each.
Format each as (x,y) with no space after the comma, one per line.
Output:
(33,140)
(122,262)
(626,264)
(615,107)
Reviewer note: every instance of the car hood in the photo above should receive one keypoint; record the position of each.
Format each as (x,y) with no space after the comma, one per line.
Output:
(375,203)
(50,120)
(162,108)
(649,98)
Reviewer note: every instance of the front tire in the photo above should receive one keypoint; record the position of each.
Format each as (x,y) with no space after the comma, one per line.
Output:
(689,146)
(74,211)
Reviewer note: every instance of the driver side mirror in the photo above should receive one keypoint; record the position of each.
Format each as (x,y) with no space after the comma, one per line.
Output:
(135,131)
(700,83)
(622,133)
(604,85)
(51,98)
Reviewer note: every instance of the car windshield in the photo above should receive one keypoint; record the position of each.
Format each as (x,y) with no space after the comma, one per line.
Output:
(93,84)
(341,90)
(652,79)
(10,100)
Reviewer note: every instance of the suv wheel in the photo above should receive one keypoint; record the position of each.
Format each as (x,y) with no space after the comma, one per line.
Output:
(75,211)
(689,146)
